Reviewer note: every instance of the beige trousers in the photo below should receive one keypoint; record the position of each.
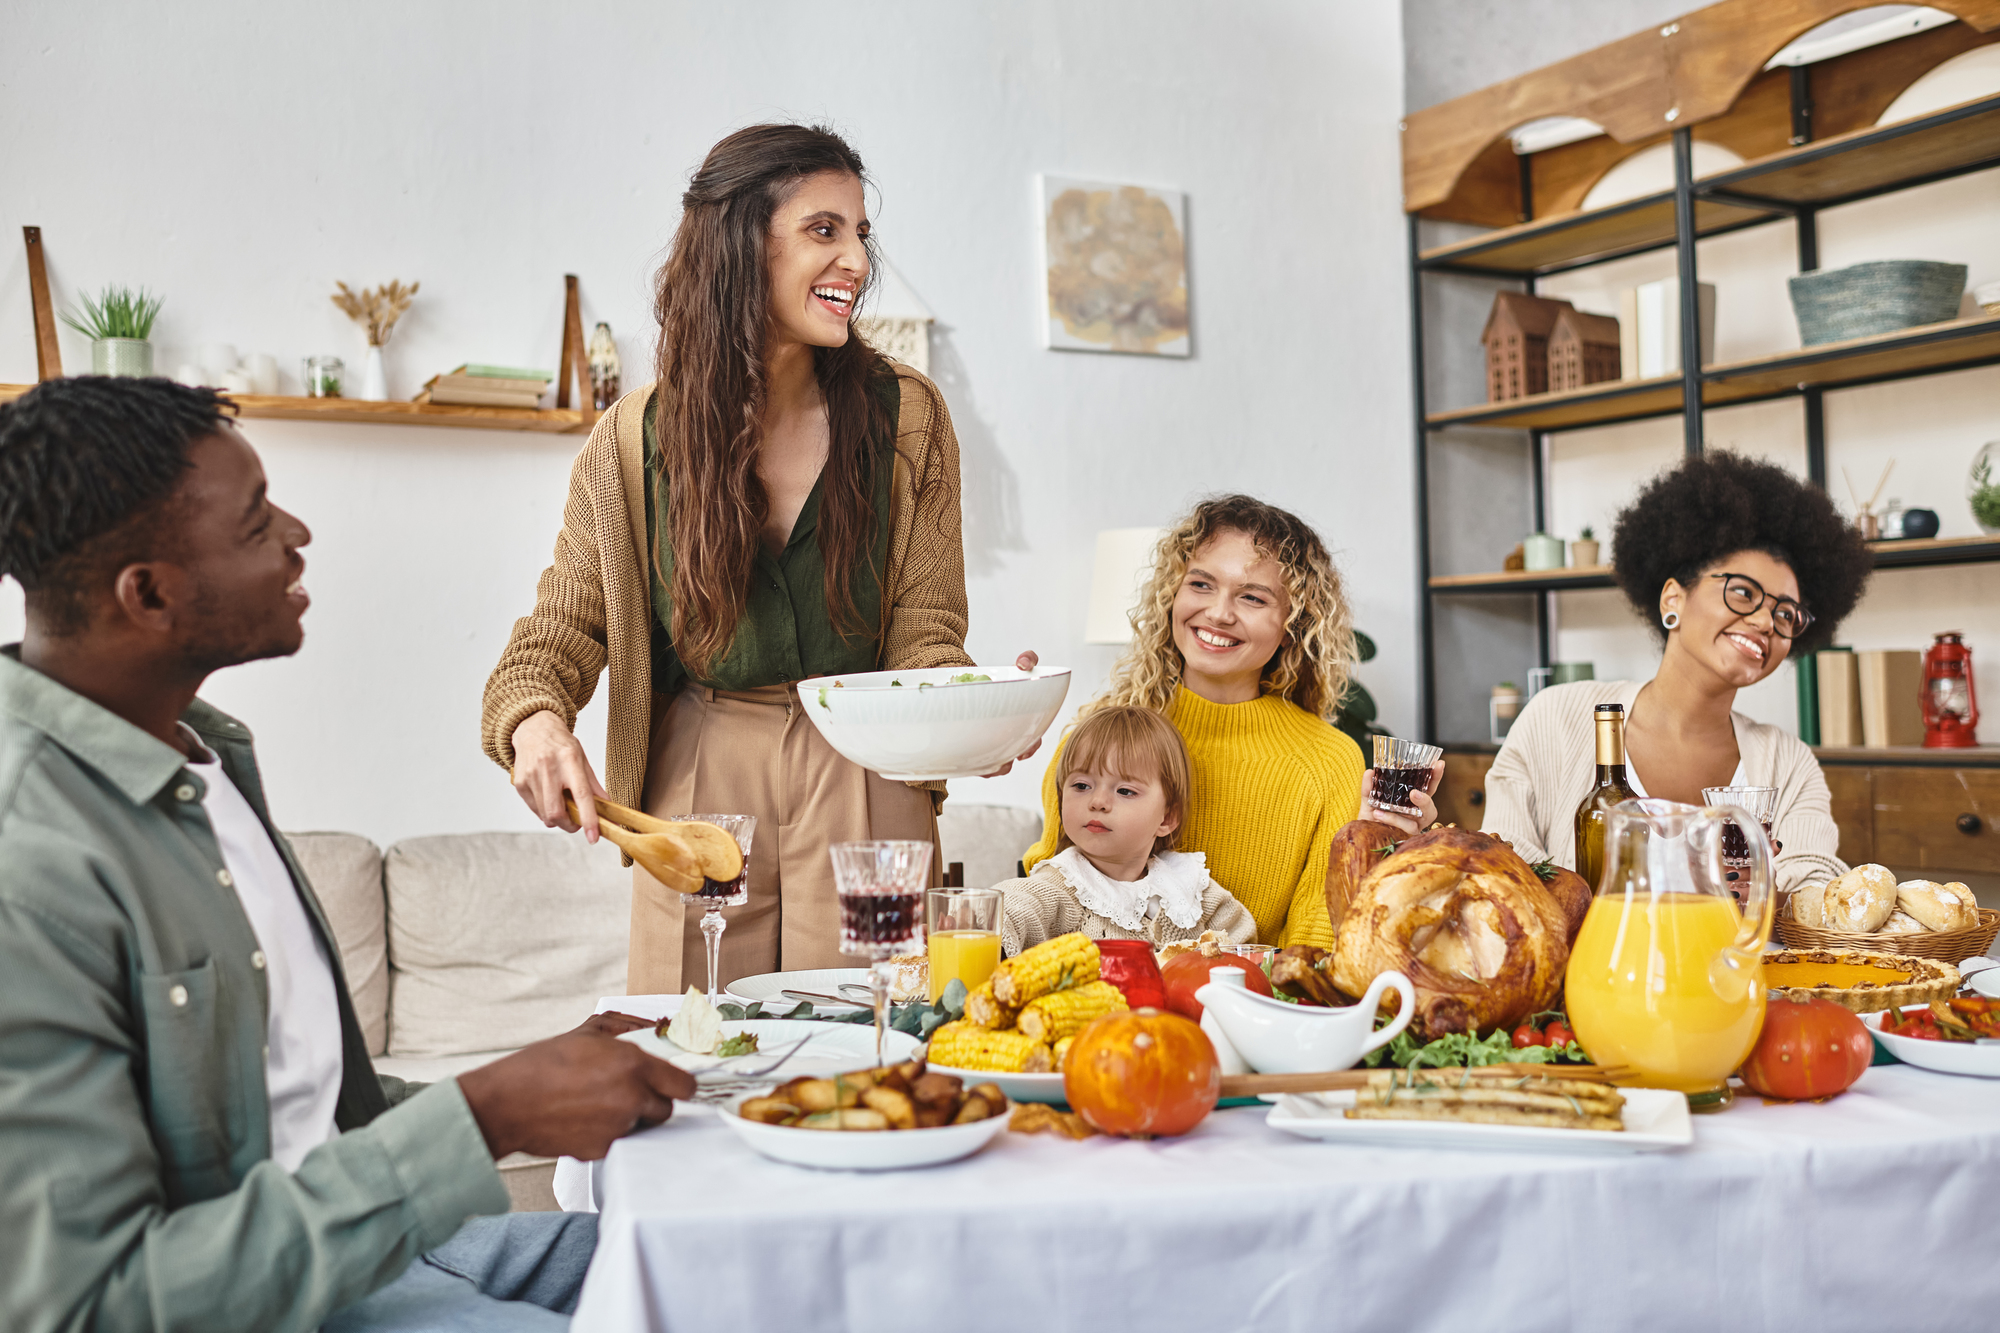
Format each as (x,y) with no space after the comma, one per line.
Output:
(755,753)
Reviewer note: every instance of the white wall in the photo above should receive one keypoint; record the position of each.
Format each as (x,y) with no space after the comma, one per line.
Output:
(1931,428)
(239,161)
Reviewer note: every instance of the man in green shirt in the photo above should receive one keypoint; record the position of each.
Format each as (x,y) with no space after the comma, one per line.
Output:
(191,1135)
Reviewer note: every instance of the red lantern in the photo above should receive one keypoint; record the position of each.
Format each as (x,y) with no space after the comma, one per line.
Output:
(1951,711)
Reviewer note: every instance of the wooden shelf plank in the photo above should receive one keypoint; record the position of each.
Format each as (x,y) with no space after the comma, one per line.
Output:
(1908,756)
(1571,239)
(1869,161)
(560,421)
(1926,350)
(1912,553)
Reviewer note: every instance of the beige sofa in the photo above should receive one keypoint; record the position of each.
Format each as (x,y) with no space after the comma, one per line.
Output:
(460,948)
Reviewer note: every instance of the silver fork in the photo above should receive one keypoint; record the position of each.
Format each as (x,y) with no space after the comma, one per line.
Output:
(741,1073)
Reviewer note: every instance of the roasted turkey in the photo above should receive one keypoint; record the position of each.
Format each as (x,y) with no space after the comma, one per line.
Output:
(1477,931)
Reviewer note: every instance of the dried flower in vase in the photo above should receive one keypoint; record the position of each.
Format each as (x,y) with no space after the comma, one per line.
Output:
(605,368)
(377,310)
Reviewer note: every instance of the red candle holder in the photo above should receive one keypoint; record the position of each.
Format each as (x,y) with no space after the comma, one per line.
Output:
(1129,965)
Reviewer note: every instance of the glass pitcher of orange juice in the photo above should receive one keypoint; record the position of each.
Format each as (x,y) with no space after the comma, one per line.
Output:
(1666,975)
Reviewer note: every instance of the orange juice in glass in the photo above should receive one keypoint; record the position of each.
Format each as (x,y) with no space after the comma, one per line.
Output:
(1666,975)
(963,935)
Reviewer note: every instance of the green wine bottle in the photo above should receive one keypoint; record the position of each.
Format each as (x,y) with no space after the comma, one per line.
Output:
(1611,788)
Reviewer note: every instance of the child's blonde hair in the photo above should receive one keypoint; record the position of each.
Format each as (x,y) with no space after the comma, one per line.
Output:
(1135,743)
(1311,670)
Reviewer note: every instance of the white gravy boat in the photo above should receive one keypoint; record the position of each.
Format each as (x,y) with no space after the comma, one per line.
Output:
(1274,1037)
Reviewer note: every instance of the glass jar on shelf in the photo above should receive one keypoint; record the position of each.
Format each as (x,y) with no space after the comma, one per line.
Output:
(323,375)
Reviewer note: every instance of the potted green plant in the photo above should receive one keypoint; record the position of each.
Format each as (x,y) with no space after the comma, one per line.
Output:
(118,322)
(1583,551)
(1983,492)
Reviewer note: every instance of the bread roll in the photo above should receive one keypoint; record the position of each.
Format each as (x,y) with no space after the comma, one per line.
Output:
(1902,923)
(1809,905)
(1938,906)
(1861,900)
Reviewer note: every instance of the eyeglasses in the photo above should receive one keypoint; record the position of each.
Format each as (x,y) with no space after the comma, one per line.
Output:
(1746,597)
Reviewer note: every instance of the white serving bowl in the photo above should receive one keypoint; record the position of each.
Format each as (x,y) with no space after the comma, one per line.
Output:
(851,1150)
(1976,1059)
(926,728)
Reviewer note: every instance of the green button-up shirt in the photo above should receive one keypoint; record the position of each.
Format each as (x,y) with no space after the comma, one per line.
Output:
(137,1189)
(787,631)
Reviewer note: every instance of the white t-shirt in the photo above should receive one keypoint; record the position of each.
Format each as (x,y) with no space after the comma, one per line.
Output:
(302,1055)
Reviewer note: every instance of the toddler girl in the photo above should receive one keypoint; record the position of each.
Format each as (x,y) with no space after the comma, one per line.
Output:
(1123,788)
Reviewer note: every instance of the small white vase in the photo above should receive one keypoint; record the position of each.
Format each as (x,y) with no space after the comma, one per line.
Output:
(374,379)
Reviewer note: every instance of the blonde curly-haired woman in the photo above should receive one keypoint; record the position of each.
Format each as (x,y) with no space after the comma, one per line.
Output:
(1244,641)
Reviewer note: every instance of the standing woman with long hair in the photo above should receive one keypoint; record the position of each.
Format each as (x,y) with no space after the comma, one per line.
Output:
(1243,639)
(782,503)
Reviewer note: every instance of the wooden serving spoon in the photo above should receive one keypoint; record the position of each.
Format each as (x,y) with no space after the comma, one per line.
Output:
(664,855)
(721,859)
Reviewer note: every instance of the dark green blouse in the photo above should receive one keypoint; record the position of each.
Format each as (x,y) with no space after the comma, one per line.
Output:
(786,633)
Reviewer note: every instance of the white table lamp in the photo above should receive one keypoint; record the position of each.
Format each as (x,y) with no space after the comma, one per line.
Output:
(1118,575)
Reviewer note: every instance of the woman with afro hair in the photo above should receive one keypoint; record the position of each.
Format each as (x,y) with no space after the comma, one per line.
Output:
(1737,565)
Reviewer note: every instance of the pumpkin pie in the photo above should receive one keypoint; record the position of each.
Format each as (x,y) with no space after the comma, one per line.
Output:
(1856,980)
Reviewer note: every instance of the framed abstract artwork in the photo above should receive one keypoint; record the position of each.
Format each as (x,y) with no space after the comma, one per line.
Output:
(1115,257)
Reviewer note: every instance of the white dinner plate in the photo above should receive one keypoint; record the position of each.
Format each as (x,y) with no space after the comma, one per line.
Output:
(1985,982)
(1018,1087)
(884,1150)
(1655,1121)
(1945,1057)
(767,987)
(835,1048)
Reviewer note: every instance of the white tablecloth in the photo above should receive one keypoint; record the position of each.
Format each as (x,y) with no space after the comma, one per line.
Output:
(1872,1212)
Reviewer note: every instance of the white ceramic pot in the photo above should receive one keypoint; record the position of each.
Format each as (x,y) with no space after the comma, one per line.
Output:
(1274,1037)
(121,356)
(1541,551)
(916,726)
(374,378)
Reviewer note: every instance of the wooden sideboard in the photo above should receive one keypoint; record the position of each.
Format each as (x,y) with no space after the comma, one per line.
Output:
(1934,813)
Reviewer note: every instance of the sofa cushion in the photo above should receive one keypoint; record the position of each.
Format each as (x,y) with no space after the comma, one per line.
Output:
(989,839)
(345,870)
(500,939)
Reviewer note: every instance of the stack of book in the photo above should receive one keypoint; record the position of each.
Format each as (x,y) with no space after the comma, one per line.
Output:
(487,386)
(1872,699)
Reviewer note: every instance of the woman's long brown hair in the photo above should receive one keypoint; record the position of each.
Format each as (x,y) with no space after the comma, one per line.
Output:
(712,299)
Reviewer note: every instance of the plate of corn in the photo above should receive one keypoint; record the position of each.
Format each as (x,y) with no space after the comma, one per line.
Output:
(1019,1022)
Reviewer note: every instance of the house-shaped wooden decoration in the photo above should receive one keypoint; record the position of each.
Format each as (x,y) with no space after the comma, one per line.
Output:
(1517,344)
(1583,349)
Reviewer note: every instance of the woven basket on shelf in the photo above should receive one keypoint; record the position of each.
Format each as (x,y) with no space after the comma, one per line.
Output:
(1879,297)
(1947,946)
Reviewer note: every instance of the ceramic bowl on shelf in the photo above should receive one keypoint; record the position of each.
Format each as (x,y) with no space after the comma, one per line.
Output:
(918,726)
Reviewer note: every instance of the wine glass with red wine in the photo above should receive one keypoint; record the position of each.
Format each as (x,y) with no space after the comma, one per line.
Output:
(717,894)
(881,887)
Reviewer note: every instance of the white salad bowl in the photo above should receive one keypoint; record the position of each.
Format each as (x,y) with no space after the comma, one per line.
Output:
(917,726)
(1274,1037)
(854,1150)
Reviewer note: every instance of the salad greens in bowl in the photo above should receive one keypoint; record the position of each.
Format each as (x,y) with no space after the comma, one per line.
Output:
(943,722)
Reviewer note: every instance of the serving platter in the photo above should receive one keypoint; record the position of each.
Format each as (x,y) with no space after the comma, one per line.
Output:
(1655,1121)
(768,988)
(1018,1087)
(1974,1059)
(882,1150)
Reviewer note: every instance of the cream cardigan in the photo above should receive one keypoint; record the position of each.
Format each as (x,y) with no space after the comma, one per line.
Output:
(593,608)
(1548,763)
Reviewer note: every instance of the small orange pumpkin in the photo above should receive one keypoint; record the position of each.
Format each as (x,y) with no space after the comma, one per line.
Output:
(1142,1074)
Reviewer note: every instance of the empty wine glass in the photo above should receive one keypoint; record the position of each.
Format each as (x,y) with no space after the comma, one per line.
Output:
(881,887)
(718,894)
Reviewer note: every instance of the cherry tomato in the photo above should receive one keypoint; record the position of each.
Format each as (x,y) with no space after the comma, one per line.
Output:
(1559,1034)
(1528,1035)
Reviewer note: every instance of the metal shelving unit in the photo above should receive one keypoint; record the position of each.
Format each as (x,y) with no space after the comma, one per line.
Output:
(1792,185)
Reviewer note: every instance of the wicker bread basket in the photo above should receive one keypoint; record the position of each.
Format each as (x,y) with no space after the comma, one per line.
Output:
(1947,946)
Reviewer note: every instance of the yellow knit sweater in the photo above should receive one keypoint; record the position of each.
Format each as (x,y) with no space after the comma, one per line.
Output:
(1272,784)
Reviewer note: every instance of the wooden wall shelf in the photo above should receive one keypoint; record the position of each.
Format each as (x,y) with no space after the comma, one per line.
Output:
(1929,349)
(557,421)
(1925,553)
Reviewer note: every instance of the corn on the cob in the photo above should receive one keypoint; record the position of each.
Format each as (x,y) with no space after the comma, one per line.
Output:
(1041,1060)
(987,1012)
(1064,1013)
(1057,964)
(965,1045)
(1061,1052)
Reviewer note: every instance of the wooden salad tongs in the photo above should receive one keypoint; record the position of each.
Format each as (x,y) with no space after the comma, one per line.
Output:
(680,853)
(1343,1080)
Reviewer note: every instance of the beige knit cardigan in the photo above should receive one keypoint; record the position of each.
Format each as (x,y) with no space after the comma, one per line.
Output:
(593,605)
(1549,762)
